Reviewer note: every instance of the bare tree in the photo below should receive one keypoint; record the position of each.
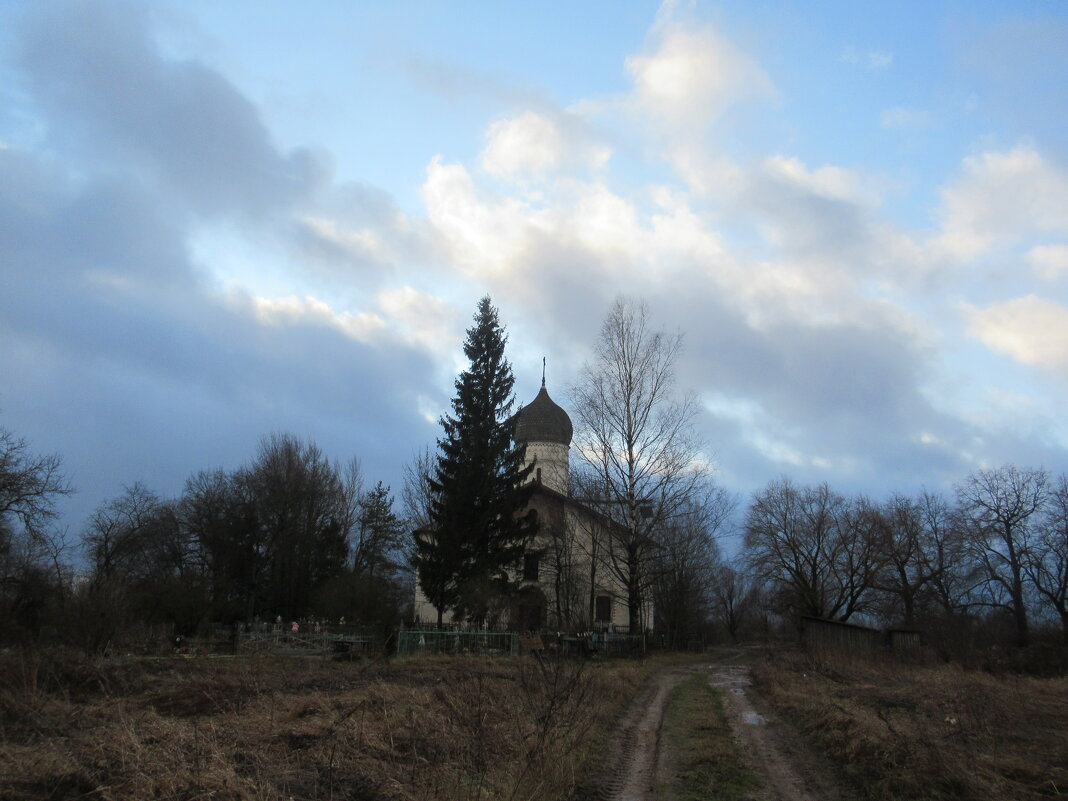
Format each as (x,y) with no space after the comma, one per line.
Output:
(733,595)
(119,539)
(953,575)
(818,551)
(641,460)
(143,565)
(29,487)
(790,539)
(217,512)
(998,508)
(686,564)
(908,567)
(925,564)
(418,492)
(32,571)
(1047,564)
(861,553)
(567,565)
(305,510)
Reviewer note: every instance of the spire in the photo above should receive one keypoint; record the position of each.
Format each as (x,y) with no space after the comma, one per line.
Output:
(543,372)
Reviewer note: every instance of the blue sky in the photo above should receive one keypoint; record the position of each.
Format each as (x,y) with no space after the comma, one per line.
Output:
(222,220)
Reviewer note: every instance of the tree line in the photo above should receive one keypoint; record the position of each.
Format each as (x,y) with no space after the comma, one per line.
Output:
(996,547)
(293,534)
(290,535)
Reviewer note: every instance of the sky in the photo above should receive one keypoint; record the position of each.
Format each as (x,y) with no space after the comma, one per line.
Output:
(224,220)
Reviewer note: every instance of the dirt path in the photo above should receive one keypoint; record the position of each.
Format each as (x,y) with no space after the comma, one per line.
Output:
(787,769)
(632,772)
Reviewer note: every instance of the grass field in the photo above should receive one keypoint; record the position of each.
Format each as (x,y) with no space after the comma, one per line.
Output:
(702,761)
(927,732)
(304,728)
(472,728)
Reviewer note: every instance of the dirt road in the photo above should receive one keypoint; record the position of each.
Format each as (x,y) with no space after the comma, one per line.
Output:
(788,771)
(632,773)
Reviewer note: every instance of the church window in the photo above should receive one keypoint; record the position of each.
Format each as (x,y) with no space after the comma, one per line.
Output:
(604,609)
(530,567)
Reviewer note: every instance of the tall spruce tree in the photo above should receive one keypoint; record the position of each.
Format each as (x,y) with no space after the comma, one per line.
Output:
(479,493)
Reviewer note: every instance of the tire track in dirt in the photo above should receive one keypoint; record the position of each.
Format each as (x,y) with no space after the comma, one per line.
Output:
(788,771)
(759,745)
(632,773)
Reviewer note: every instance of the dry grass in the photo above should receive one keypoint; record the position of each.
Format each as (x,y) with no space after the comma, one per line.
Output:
(301,728)
(902,732)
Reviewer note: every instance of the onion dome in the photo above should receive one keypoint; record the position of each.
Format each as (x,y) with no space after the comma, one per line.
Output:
(543,421)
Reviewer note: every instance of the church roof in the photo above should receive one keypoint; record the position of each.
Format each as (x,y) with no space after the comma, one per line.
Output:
(542,420)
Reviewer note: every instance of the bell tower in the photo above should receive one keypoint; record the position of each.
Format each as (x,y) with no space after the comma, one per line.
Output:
(546,430)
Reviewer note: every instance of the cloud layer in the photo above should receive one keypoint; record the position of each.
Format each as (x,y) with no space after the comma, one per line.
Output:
(177,284)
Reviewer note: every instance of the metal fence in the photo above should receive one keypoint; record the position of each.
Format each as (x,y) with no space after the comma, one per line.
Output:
(499,627)
(593,643)
(413,643)
(301,643)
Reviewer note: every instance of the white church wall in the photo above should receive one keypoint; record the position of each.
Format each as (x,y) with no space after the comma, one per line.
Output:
(550,464)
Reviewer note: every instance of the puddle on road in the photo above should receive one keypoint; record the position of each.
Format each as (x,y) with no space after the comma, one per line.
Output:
(729,678)
(735,680)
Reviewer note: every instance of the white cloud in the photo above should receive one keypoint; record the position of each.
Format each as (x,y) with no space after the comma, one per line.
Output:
(363,243)
(405,314)
(422,318)
(816,218)
(707,173)
(534,145)
(293,310)
(430,410)
(487,233)
(1030,329)
(999,198)
(482,233)
(1049,261)
(494,237)
(814,278)
(693,75)
(785,280)
(833,183)
(604,222)
(528,144)
(822,222)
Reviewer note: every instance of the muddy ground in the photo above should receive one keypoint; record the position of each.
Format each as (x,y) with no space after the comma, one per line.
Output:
(787,769)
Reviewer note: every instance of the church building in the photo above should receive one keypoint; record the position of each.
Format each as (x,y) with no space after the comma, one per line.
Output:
(566,581)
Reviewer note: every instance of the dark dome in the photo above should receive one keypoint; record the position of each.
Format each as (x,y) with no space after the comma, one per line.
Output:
(543,421)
